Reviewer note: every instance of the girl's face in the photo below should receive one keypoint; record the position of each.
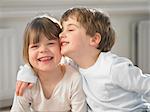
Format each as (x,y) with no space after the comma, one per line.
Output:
(73,38)
(45,55)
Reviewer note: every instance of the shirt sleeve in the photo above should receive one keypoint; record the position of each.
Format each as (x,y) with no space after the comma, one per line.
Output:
(131,78)
(69,61)
(26,74)
(78,100)
(21,103)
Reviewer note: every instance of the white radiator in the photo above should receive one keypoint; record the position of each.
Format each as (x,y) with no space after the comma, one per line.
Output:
(8,65)
(143,46)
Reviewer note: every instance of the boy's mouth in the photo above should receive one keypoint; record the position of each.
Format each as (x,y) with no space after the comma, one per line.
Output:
(64,43)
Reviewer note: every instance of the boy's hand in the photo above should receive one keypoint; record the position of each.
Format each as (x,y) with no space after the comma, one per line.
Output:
(21,86)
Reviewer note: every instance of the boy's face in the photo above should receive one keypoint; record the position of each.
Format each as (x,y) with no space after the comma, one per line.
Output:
(73,38)
(44,55)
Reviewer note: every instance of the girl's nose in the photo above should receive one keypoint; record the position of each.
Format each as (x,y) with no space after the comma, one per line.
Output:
(43,49)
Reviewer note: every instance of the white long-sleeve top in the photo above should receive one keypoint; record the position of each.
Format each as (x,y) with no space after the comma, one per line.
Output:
(114,84)
(67,96)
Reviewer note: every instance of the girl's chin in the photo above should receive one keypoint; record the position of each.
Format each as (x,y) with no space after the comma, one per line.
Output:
(45,69)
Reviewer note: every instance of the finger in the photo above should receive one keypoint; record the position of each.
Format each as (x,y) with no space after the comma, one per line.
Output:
(30,85)
(18,85)
(22,88)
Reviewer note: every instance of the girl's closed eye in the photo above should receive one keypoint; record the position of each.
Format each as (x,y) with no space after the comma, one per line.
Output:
(52,42)
(34,46)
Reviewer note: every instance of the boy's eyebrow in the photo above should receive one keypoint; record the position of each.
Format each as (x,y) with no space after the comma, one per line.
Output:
(73,25)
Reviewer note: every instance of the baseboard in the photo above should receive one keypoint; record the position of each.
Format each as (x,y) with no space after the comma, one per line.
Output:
(6,103)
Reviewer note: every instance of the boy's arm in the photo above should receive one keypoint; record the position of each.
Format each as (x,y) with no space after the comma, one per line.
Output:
(21,86)
(25,78)
(69,61)
(26,74)
(131,78)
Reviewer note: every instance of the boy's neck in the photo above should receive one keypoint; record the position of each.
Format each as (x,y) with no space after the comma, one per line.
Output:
(85,61)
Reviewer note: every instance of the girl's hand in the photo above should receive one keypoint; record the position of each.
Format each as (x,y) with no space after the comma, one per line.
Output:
(21,86)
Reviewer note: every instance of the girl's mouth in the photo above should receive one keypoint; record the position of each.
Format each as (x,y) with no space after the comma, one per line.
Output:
(45,58)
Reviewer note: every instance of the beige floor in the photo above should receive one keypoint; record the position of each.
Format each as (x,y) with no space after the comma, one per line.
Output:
(6,109)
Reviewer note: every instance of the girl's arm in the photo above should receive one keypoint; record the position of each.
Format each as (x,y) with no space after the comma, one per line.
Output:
(21,103)
(78,99)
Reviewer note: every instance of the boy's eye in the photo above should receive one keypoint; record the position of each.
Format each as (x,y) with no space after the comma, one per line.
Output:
(70,29)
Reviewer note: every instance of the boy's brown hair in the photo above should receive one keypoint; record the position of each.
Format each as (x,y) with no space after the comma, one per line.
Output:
(94,22)
(35,29)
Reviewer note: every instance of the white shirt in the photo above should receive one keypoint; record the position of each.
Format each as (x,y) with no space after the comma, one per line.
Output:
(67,96)
(113,84)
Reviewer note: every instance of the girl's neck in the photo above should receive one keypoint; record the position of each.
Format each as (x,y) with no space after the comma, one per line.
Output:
(51,76)
(50,79)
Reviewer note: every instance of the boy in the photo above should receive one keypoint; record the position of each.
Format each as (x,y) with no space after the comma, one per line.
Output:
(111,83)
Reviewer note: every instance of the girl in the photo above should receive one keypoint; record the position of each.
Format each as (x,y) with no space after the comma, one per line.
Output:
(59,86)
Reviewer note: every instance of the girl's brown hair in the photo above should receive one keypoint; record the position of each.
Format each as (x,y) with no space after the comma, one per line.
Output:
(37,27)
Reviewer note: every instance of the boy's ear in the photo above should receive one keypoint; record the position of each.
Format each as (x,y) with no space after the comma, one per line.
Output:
(95,40)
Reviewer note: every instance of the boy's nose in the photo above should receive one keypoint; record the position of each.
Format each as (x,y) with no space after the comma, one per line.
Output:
(61,35)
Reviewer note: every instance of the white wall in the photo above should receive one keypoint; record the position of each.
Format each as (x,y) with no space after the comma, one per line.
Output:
(124,14)
(123,24)
(14,14)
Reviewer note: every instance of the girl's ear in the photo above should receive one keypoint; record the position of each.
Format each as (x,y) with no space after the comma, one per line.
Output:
(95,40)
